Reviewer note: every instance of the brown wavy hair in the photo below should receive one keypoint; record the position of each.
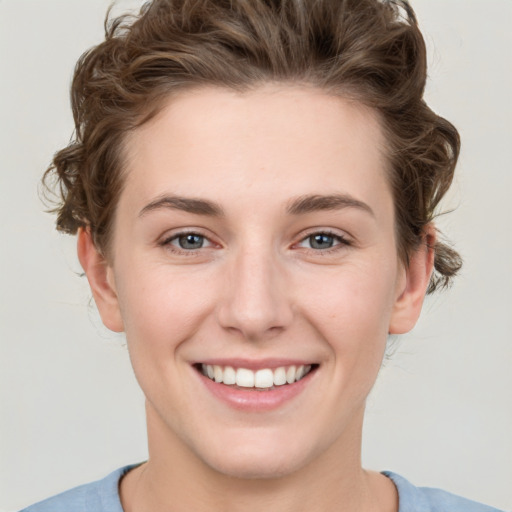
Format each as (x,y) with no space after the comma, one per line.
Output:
(368,50)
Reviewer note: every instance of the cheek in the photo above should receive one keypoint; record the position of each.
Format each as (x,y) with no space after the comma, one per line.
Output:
(162,309)
(352,314)
(355,298)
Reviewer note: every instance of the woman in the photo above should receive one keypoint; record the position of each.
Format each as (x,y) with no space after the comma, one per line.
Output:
(253,185)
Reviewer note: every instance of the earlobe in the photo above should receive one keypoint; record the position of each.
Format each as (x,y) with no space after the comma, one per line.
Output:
(409,301)
(101,280)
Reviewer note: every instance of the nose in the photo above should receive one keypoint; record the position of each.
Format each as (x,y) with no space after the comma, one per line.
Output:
(255,301)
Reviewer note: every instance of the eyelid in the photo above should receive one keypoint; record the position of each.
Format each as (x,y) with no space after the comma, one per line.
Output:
(342,238)
(168,238)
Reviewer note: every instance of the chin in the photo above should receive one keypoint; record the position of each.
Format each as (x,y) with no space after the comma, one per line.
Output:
(257,459)
(248,467)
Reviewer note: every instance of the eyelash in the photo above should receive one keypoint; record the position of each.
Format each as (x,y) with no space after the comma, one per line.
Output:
(167,243)
(340,240)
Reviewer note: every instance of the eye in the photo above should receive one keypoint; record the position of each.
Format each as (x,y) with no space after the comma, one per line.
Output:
(187,242)
(190,241)
(323,241)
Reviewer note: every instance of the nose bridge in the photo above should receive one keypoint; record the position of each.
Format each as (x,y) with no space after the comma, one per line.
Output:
(255,301)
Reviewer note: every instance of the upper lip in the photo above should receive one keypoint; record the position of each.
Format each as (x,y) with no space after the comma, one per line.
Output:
(255,364)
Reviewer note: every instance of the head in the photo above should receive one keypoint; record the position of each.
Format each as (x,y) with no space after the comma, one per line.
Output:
(369,51)
(337,84)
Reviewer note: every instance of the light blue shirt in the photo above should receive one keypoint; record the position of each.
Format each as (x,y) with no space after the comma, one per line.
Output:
(103,496)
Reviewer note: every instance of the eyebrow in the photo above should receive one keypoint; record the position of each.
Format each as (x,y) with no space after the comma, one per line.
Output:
(186,204)
(299,206)
(317,202)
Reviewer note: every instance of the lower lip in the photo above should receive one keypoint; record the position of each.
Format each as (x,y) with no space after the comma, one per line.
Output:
(251,399)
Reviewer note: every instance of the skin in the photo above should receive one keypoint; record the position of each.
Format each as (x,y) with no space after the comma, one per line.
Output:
(256,289)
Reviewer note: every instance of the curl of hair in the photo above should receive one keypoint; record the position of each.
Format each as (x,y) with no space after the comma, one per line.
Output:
(369,50)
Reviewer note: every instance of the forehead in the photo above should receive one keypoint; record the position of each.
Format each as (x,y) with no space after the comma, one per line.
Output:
(287,139)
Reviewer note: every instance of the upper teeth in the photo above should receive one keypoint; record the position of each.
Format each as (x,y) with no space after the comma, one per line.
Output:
(264,378)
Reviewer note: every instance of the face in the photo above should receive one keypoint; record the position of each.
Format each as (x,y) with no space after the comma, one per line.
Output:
(254,241)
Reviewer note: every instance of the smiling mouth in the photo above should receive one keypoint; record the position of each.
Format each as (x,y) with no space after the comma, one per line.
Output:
(265,379)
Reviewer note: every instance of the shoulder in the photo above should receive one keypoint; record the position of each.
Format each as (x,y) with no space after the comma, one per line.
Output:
(99,496)
(426,499)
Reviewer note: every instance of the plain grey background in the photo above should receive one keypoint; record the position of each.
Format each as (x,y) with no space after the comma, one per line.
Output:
(71,411)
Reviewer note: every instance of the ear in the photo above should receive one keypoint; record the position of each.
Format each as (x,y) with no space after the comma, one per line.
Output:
(413,285)
(101,280)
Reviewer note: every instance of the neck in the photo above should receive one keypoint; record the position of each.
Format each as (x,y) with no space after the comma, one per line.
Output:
(174,480)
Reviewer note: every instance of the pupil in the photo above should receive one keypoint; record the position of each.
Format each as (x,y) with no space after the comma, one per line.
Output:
(321,241)
(191,241)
